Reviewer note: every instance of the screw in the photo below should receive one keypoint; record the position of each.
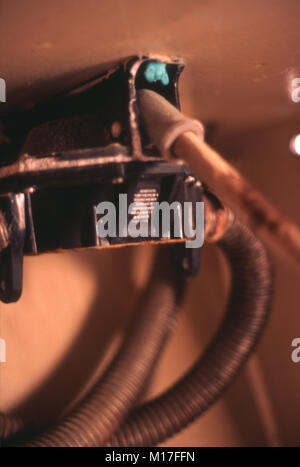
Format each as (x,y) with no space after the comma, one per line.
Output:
(116,129)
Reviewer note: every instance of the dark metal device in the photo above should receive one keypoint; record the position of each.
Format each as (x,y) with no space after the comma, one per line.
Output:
(79,149)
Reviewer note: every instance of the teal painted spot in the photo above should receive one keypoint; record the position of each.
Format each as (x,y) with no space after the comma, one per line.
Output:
(157,71)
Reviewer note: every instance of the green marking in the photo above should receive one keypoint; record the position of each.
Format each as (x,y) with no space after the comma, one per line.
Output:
(157,71)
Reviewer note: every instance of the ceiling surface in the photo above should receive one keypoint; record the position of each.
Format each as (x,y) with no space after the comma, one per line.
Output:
(241,55)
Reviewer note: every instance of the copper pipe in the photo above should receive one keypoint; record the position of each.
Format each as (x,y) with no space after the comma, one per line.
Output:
(180,137)
(249,204)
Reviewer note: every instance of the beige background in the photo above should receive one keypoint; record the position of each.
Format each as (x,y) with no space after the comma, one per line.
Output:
(241,57)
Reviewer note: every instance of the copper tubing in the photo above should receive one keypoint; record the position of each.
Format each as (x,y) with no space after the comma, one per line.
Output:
(96,418)
(236,338)
(179,137)
(248,203)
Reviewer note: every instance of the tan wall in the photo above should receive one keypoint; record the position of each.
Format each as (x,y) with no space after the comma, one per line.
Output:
(75,306)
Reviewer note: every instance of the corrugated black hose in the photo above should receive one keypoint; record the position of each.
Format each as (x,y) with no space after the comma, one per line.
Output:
(98,418)
(101,412)
(205,382)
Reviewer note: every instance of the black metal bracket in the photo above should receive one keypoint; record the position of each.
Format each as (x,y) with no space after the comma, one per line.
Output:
(82,148)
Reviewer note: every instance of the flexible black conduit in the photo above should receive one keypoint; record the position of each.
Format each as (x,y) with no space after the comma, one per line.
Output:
(195,392)
(101,413)
(94,421)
